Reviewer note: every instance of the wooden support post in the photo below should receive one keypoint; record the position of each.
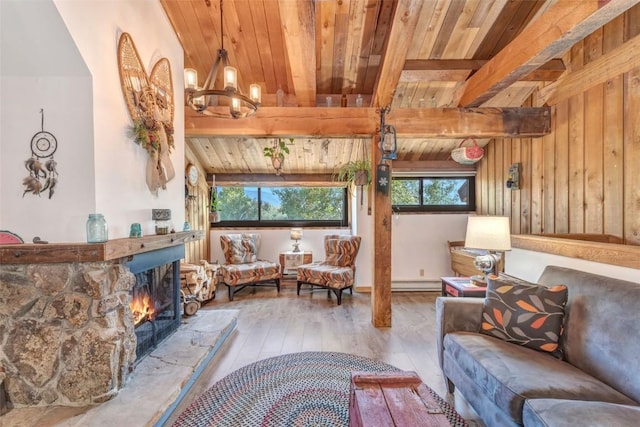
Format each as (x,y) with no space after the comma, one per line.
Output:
(381,291)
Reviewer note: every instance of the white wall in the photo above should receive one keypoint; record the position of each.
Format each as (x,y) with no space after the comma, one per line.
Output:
(418,242)
(528,265)
(42,68)
(62,56)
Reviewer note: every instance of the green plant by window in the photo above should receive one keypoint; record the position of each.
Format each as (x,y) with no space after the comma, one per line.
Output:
(213,200)
(355,172)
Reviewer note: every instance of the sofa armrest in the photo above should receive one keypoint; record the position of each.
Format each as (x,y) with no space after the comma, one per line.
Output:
(456,314)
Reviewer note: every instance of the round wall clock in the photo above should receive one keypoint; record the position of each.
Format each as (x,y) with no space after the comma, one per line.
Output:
(192,174)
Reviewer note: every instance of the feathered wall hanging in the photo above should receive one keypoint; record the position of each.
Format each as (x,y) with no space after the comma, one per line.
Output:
(43,175)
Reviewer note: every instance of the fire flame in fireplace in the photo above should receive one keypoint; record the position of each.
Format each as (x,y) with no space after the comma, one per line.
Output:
(142,308)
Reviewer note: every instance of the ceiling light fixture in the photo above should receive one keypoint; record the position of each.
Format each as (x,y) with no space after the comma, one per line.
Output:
(199,99)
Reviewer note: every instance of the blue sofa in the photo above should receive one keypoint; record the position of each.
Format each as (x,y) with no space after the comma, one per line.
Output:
(597,382)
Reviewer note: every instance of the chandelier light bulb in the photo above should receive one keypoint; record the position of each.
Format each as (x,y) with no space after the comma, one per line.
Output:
(199,101)
(255,93)
(190,78)
(235,105)
(230,78)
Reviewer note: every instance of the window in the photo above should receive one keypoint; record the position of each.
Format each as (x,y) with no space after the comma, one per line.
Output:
(282,206)
(433,194)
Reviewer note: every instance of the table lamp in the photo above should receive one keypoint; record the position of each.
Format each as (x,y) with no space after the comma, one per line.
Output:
(296,234)
(491,233)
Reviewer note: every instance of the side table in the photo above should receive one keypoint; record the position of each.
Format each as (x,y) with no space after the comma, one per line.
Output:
(461,287)
(289,261)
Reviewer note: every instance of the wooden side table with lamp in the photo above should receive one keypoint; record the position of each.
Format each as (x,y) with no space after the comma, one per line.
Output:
(491,234)
(290,260)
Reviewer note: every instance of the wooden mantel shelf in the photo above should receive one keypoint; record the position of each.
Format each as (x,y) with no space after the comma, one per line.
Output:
(29,253)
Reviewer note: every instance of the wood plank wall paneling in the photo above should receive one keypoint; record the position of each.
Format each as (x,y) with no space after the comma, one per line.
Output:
(594,116)
(197,213)
(576,149)
(581,178)
(613,134)
(631,158)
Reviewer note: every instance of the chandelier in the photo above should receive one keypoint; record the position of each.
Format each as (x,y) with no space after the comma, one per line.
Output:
(199,99)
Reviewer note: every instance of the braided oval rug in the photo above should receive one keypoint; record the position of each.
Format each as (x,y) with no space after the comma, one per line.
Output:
(299,389)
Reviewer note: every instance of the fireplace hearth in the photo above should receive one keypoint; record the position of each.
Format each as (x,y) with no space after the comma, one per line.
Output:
(68,335)
(155,297)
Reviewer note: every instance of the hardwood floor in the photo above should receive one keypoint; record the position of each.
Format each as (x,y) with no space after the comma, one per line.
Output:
(272,324)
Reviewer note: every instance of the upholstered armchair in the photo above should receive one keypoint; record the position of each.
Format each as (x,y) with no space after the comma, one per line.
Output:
(337,272)
(242,267)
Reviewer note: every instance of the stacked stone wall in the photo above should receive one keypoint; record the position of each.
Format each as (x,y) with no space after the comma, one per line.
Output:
(66,332)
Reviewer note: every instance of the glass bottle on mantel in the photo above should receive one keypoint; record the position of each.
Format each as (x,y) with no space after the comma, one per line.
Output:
(343,100)
(97,230)
(280,97)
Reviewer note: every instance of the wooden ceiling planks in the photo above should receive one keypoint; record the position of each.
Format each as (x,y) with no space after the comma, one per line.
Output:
(239,41)
(364,65)
(280,60)
(395,52)
(264,46)
(431,19)
(299,33)
(325,29)
(341,51)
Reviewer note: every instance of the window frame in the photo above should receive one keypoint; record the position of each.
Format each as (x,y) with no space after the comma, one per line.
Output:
(421,207)
(260,223)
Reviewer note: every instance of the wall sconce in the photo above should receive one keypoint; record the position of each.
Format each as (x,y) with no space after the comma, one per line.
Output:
(513,179)
(388,140)
(296,234)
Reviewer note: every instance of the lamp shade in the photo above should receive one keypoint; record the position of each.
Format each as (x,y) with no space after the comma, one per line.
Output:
(296,233)
(491,233)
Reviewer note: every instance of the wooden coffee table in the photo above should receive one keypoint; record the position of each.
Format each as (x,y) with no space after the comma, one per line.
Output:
(392,399)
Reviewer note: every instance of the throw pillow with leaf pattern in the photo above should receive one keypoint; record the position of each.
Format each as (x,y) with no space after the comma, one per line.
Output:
(524,313)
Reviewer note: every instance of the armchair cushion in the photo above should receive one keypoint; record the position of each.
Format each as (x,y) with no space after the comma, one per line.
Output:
(324,274)
(258,271)
(240,248)
(341,251)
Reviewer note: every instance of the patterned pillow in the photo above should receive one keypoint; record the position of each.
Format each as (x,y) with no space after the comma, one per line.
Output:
(524,313)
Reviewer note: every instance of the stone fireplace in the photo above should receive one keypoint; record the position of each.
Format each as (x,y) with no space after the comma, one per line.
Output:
(67,332)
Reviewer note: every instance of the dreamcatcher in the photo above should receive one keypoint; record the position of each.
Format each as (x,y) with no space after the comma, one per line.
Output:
(150,103)
(41,165)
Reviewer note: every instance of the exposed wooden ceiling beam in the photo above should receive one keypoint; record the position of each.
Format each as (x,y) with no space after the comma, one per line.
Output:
(421,70)
(404,24)
(271,179)
(620,60)
(420,166)
(299,33)
(364,122)
(555,31)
